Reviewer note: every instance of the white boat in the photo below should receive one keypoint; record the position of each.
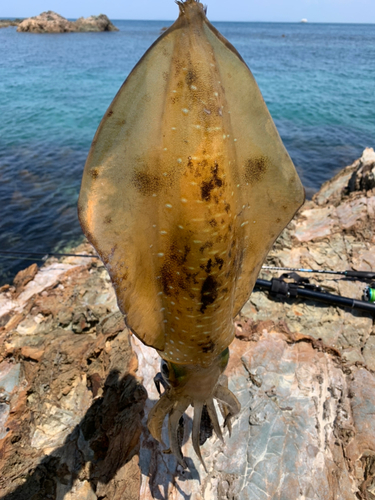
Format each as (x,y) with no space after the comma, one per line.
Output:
(303,20)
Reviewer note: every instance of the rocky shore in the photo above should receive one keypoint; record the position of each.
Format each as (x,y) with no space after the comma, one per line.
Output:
(75,388)
(50,22)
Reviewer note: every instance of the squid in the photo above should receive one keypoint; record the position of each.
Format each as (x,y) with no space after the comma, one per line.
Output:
(185,189)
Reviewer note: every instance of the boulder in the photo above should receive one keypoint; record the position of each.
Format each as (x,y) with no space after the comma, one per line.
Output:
(50,22)
(94,23)
(46,22)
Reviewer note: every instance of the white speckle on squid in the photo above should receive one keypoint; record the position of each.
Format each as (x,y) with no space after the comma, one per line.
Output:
(171,341)
(238,185)
(179,160)
(191,268)
(197,126)
(207,111)
(185,111)
(171,287)
(176,317)
(254,222)
(198,201)
(151,246)
(174,128)
(244,223)
(195,289)
(193,87)
(197,242)
(153,225)
(194,184)
(163,232)
(160,293)
(172,302)
(162,309)
(160,254)
(180,342)
(172,329)
(184,200)
(154,195)
(174,91)
(165,321)
(181,227)
(224,136)
(216,94)
(165,174)
(235,140)
(165,149)
(168,205)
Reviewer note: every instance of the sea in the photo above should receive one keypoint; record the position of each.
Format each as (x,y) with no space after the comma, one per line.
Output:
(318,81)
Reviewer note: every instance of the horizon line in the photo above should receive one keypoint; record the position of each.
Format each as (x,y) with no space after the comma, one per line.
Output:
(211,20)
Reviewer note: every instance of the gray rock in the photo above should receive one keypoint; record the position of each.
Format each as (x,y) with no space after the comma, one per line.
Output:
(50,22)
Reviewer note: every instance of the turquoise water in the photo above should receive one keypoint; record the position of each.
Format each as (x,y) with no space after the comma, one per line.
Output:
(317,80)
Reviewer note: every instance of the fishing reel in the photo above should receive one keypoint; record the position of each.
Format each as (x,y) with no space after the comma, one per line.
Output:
(369,293)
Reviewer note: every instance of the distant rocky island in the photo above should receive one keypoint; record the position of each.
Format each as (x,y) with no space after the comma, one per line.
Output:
(5,23)
(51,22)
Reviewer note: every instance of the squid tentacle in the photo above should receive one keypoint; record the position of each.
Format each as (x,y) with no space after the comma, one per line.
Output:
(213,416)
(225,396)
(174,418)
(198,407)
(157,416)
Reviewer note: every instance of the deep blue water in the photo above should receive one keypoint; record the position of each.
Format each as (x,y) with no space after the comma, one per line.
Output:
(318,81)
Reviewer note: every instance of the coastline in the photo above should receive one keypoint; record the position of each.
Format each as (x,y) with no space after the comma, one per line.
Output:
(75,384)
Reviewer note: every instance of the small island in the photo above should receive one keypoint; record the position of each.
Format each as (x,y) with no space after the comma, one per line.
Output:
(51,22)
(5,23)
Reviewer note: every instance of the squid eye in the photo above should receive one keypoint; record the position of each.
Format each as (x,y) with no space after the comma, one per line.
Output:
(164,370)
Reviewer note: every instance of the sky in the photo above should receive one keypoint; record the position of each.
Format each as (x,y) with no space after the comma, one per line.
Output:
(322,11)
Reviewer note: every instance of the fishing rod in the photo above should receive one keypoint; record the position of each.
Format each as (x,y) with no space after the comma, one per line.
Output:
(15,254)
(277,286)
(364,275)
(301,287)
